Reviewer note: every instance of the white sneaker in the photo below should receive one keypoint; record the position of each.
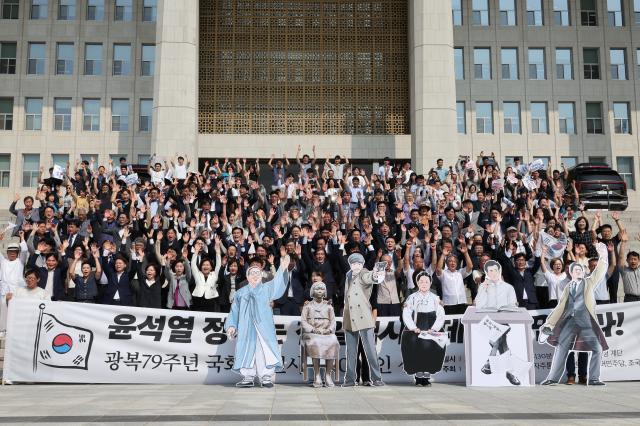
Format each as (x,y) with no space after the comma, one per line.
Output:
(266,382)
(328,381)
(246,382)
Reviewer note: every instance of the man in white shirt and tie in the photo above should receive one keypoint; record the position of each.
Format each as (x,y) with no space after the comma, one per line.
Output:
(454,294)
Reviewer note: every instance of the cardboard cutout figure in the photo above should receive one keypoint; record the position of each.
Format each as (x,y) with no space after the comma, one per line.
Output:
(573,325)
(319,334)
(357,319)
(495,295)
(251,320)
(423,345)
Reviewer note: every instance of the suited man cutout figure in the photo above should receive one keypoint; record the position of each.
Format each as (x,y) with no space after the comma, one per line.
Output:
(357,319)
(572,325)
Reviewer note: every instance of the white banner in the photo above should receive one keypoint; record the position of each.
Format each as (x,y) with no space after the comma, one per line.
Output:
(85,343)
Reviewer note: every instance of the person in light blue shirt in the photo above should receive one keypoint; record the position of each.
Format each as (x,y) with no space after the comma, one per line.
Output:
(251,320)
(441,170)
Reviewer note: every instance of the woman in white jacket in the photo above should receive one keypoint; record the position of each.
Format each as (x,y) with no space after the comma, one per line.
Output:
(205,294)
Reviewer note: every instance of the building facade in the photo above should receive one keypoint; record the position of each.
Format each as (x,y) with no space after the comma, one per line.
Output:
(549,79)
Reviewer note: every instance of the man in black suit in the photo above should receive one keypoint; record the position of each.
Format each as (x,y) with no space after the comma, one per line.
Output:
(294,295)
(521,278)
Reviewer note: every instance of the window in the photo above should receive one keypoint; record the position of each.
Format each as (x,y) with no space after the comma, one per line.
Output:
(614,13)
(144,158)
(484,117)
(121,59)
(536,64)
(456,11)
(65,54)
(33,114)
(509,61)
(149,10)
(594,118)
(95,10)
(8,58)
(115,158)
(482,63)
(6,113)
(510,161)
(120,115)
(636,11)
(10,9)
(66,10)
(124,10)
(539,117)
(564,67)
(591,58)
(480,12)
(61,160)
(91,115)
(534,13)
(5,169)
(461,118)
(566,120)
(458,61)
(545,161)
(36,59)
(561,13)
(39,9)
(621,120)
(511,117)
(618,64)
(30,170)
(93,59)
(148,59)
(507,13)
(62,114)
(588,13)
(569,162)
(626,171)
(88,157)
(146,114)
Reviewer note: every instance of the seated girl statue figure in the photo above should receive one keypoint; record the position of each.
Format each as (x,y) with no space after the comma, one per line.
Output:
(319,334)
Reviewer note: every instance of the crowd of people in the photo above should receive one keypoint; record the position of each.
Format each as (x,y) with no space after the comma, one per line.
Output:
(184,239)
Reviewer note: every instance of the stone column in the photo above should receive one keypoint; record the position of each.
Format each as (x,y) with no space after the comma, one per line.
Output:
(175,86)
(432,87)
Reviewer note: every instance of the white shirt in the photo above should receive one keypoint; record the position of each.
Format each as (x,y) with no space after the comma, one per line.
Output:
(117,295)
(157,177)
(556,284)
(180,171)
(11,274)
(600,291)
(49,286)
(498,295)
(453,291)
(36,293)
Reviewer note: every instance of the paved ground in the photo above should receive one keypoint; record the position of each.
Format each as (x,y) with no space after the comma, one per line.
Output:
(616,404)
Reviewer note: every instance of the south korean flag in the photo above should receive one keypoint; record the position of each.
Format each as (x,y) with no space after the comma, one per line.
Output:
(60,345)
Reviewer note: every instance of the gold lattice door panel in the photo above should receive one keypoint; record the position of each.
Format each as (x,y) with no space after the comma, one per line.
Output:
(304,67)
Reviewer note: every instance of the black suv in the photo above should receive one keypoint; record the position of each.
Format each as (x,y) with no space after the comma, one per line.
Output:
(599,186)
